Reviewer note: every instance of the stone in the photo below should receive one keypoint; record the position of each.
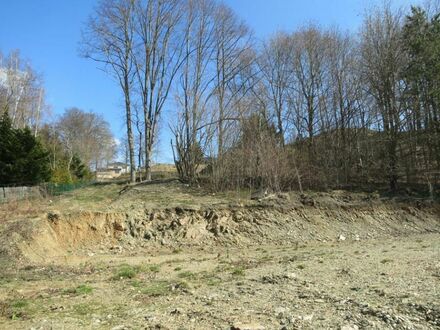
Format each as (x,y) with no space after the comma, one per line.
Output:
(247,326)
(341,238)
(350,327)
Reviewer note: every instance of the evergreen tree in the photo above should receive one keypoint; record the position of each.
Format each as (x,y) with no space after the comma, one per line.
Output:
(23,159)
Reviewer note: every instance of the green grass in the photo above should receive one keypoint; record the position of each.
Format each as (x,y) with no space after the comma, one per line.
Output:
(20,303)
(157,289)
(238,272)
(126,272)
(186,274)
(154,268)
(82,289)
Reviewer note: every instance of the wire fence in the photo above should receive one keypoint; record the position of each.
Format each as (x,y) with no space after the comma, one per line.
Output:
(14,192)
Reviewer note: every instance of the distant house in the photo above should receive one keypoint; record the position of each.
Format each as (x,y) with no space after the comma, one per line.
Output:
(124,168)
(113,170)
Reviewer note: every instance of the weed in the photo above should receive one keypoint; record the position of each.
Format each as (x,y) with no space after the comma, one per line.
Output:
(157,289)
(136,284)
(238,272)
(20,303)
(126,271)
(79,290)
(301,266)
(386,260)
(178,269)
(154,268)
(186,274)
(82,309)
(83,289)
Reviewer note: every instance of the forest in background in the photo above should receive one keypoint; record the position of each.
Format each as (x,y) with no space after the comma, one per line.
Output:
(313,108)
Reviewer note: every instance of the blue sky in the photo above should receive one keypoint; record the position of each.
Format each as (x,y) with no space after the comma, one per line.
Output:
(47,33)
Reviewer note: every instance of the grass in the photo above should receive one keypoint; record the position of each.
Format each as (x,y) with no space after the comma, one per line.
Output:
(157,289)
(126,272)
(82,289)
(154,268)
(20,303)
(16,309)
(186,274)
(238,272)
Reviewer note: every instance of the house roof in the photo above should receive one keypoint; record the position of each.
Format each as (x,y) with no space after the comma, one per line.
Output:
(117,164)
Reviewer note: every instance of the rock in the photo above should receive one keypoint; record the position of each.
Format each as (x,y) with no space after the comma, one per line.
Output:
(118,226)
(280,312)
(341,238)
(284,196)
(350,327)
(53,216)
(357,238)
(247,326)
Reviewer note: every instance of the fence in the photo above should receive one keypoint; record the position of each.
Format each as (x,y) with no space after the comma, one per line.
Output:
(46,189)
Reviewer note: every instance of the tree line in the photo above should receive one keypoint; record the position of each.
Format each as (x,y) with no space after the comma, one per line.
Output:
(36,148)
(311,108)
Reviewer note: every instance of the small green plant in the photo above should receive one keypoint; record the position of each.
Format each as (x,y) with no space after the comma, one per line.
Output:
(385,261)
(83,289)
(126,271)
(177,251)
(238,272)
(186,274)
(20,303)
(301,266)
(154,268)
(178,269)
(81,309)
(157,289)
(136,284)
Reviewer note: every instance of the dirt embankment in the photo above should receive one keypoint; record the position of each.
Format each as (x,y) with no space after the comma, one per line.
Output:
(274,221)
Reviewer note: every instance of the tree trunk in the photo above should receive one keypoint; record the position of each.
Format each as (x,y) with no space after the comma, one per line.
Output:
(129,132)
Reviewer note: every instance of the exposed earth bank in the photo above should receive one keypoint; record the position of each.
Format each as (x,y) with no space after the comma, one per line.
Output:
(329,261)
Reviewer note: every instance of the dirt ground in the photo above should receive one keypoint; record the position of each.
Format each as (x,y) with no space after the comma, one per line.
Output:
(168,257)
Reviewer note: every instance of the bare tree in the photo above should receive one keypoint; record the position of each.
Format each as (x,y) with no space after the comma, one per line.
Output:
(383,59)
(275,64)
(158,57)
(195,88)
(21,92)
(86,135)
(232,42)
(108,39)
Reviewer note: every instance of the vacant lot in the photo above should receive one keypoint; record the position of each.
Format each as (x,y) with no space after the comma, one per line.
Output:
(165,256)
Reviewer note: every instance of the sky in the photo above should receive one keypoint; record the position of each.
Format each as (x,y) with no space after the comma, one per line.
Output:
(47,33)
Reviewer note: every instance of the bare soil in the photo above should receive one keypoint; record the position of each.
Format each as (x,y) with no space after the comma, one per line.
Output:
(166,256)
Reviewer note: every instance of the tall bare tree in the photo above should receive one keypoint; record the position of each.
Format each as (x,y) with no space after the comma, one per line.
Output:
(383,59)
(108,38)
(158,57)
